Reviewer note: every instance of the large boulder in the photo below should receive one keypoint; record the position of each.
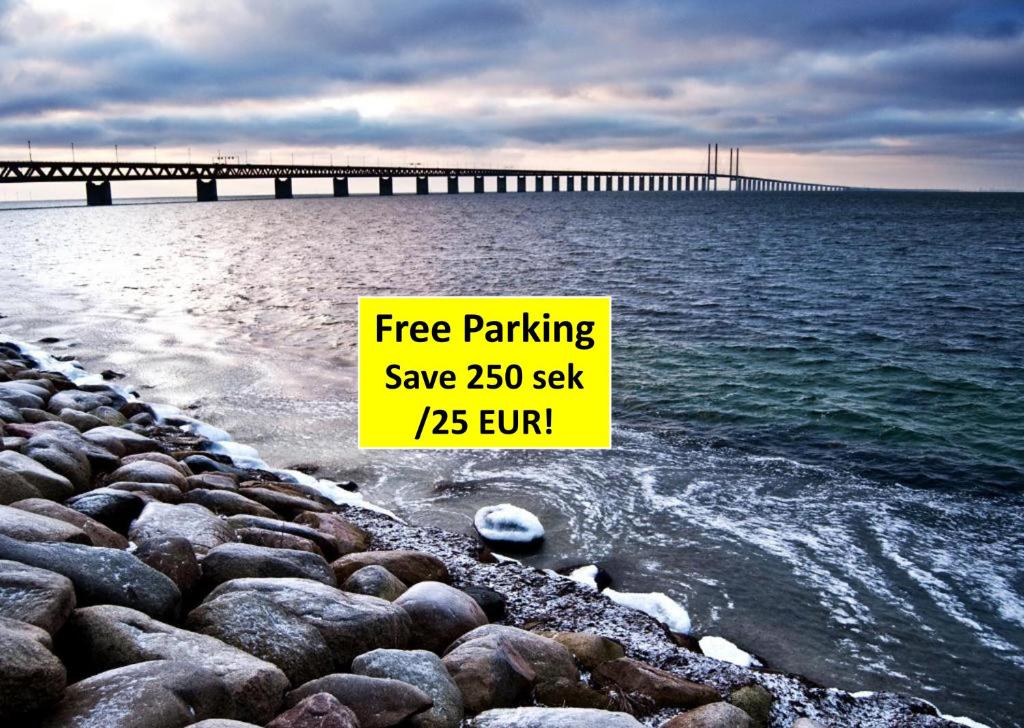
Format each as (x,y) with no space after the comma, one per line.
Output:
(321,710)
(286,505)
(490,673)
(756,702)
(351,624)
(98,534)
(327,544)
(26,526)
(550,717)
(349,537)
(49,484)
(239,560)
(424,670)
(261,627)
(375,581)
(377,702)
(118,439)
(97,639)
(173,557)
(159,457)
(228,503)
(492,602)
(411,567)
(198,525)
(156,694)
(63,449)
(148,471)
(590,650)
(14,487)
(660,687)
(77,399)
(549,660)
(115,509)
(151,491)
(101,576)
(712,715)
(276,540)
(31,677)
(439,614)
(35,596)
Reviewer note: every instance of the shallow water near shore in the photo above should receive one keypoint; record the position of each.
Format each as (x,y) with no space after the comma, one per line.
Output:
(819,446)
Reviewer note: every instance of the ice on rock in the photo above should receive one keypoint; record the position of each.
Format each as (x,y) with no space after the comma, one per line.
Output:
(244,456)
(722,649)
(585,575)
(962,720)
(508,523)
(660,606)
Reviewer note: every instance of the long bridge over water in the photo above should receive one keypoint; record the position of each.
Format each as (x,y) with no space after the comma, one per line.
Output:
(99,175)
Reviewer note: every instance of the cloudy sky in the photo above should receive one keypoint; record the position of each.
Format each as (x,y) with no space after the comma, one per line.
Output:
(865,92)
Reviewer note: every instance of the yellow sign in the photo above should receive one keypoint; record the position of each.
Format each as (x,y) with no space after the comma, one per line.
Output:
(496,372)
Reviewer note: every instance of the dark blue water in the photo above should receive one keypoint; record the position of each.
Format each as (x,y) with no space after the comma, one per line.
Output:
(819,398)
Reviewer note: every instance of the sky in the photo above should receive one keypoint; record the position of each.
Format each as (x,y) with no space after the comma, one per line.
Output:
(900,93)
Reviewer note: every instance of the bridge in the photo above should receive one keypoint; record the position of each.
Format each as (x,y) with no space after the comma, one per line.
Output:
(98,176)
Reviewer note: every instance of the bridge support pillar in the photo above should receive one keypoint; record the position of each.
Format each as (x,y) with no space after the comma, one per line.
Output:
(570,183)
(206,190)
(621,183)
(661,183)
(502,184)
(538,184)
(453,185)
(704,184)
(386,185)
(478,184)
(97,193)
(283,188)
(632,183)
(608,183)
(341,186)
(422,185)
(521,183)
(584,182)
(556,183)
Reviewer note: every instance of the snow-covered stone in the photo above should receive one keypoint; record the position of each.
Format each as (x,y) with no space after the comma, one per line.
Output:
(509,524)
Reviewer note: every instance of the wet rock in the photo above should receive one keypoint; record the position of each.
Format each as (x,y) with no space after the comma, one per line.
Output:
(9,413)
(203,464)
(424,670)
(276,540)
(239,560)
(110,416)
(439,614)
(35,596)
(590,650)
(97,639)
(755,701)
(149,471)
(13,487)
(173,557)
(99,535)
(38,415)
(550,717)
(26,526)
(81,421)
(660,687)
(151,491)
(320,710)
(157,694)
(12,443)
(260,627)
(411,567)
(327,544)
(216,481)
(71,463)
(493,603)
(228,503)
(31,677)
(49,484)
(115,509)
(199,526)
(549,660)
(377,702)
(77,399)
(20,398)
(713,715)
(351,624)
(349,537)
(119,439)
(284,505)
(101,576)
(159,457)
(375,581)
(490,673)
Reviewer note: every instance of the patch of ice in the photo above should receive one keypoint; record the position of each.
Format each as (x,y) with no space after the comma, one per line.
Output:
(508,523)
(962,720)
(244,456)
(658,605)
(585,575)
(862,694)
(722,649)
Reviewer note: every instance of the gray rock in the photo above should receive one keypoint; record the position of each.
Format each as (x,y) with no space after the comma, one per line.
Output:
(115,509)
(101,576)
(38,415)
(9,413)
(349,537)
(240,560)
(50,485)
(110,416)
(151,491)
(424,670)
(439,614)
(320,710)
(98,534)
(755,701)
(550,717)
(72,464)
(35,596)
(81,421)
(159,457)
(351,624)
(285,505)
(377,702)
(257,625)
(713,715)
(549,660)
(327,545)
(157,694)
(26,526)
(148,471)
(198,525)
(228,503)
(97,639)
(17,397)
(31,677)
(77,399)
(375,581)
(491,673)
(173,557)
(118,439)
(276,540)
(13,487)
(411,567)
(492,602)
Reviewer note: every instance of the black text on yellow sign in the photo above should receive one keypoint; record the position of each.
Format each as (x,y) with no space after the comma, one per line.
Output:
(489,372)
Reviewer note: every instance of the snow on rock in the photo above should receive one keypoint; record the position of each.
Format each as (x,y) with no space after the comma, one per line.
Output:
(964,721)
(722,649)
(585,575)
(660,606)
(508,523)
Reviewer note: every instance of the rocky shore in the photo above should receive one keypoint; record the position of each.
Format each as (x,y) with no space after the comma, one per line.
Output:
(155,574)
